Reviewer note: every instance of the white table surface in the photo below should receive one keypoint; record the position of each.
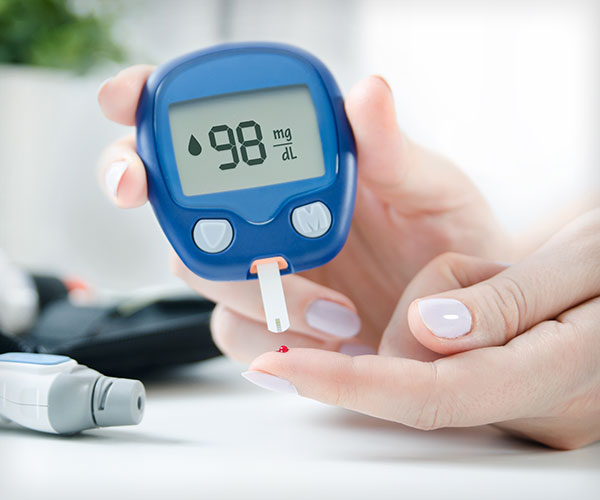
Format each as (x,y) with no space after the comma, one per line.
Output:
(208,433)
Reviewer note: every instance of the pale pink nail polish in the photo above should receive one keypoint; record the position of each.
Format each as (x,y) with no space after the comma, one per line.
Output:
(270,382)
(113,176)
(333,318)
(446,318)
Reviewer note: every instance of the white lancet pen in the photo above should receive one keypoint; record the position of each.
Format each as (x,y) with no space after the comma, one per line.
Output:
(271,290)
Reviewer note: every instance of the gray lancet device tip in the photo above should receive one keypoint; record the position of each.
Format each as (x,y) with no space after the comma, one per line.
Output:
(118,401)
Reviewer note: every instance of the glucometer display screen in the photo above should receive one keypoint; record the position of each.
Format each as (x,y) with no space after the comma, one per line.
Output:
(246,139)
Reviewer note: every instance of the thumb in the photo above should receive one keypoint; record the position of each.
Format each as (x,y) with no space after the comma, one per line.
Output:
(446,272)
(392,166)
(558,277)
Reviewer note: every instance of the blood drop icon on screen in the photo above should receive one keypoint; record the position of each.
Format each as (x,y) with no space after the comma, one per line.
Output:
(194,146)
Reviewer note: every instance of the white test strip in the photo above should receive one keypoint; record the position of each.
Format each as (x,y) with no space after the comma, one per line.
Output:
(273,297)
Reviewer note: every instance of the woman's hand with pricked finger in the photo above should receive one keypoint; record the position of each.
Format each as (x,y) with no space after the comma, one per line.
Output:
(521,347)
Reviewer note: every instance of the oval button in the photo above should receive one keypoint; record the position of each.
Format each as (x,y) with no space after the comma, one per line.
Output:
(312,220)
(213,235)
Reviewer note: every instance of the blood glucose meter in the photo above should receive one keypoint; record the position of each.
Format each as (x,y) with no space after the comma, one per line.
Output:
(250,163)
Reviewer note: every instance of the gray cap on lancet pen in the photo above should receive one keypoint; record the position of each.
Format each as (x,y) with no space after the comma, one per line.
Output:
(84,399)
(118,401)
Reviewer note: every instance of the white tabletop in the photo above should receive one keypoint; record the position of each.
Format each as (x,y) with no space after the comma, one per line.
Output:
(208,433)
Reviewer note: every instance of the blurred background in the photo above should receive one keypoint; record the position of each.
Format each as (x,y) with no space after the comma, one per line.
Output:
(510,90)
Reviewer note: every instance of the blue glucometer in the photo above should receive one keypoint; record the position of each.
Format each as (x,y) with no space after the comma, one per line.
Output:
(249,156)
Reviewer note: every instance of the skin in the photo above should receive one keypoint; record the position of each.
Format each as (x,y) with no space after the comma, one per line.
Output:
(417,217)
(529,363)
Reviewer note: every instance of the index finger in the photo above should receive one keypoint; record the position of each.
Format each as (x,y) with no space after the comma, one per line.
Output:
(488,385)
(118,96)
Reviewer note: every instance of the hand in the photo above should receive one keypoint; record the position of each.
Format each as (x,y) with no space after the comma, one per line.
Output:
(525,338)
(411,206)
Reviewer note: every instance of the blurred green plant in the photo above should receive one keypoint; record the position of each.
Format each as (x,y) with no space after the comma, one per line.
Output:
(51,33)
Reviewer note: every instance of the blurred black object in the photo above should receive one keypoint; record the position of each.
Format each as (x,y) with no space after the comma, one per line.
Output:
(120,341)
(50,289)
(9,344)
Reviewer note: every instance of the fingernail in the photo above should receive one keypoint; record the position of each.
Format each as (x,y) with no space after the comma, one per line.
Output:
(447,318)
(356,349)
(101,86)
(113,176)
(384,81)
(333,318)
(270,382)
(503,264)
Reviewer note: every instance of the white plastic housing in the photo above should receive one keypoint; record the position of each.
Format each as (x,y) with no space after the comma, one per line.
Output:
(24,390)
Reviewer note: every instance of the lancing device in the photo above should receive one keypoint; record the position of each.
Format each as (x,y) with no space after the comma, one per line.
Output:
(250,163)
(54,394)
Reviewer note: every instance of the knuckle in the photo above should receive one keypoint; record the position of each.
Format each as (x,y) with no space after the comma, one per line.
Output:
(346,386)
(443,266)
(428,421)
(445,260)
(435,411)
(506,296)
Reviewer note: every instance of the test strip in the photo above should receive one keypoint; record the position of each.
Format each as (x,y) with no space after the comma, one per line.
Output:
(273,297)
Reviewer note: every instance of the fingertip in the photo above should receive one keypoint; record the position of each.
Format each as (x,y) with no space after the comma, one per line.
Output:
(441,324)
(310,368)
(371,101)
(382,149)
(132,190)
(383,80)
(101,89)
(417,326)
(124,177)
(297,360)
(234,335)
(335,315)
(118,96)
(269,362)
(330,377)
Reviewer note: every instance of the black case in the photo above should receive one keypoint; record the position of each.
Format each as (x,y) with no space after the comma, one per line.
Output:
(118,341)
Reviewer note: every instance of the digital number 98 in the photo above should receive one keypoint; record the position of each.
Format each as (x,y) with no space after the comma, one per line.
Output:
(254,157)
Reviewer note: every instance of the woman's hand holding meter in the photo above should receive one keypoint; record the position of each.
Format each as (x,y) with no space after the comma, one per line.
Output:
(520,342)
(411,206)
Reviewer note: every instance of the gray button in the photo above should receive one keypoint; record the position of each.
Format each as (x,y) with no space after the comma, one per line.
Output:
(213,235)
(312,220)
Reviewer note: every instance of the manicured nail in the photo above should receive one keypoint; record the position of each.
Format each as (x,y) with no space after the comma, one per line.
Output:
(447,318)
(270,382)
(356,349)
(113,176)
(333,318)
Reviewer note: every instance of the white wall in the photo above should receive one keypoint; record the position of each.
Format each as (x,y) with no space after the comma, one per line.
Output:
(509,90)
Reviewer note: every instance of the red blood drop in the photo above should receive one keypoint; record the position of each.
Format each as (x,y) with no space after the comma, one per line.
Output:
(283,348)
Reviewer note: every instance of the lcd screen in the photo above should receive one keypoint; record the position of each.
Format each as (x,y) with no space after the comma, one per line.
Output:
(246,140)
